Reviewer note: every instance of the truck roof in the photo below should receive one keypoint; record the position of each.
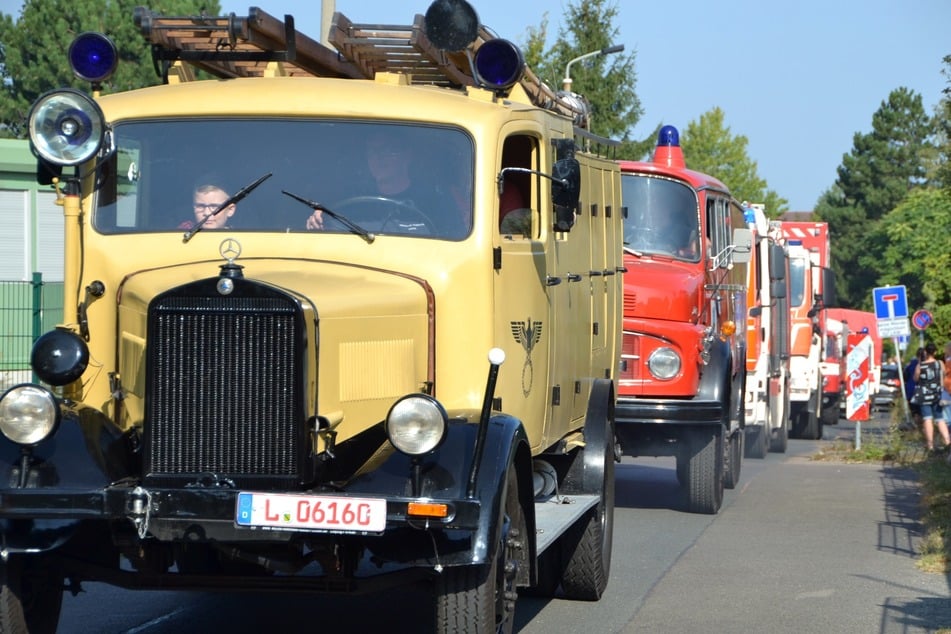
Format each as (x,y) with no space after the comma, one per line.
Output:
(813,236)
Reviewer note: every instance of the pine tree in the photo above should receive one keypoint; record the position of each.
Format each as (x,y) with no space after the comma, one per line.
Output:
(873,179)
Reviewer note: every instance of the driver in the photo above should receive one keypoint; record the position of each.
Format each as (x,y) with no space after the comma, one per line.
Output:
(389,159)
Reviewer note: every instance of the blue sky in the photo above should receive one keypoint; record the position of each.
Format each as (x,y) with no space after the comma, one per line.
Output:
(797,79)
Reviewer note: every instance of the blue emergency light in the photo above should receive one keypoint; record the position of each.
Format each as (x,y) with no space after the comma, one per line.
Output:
(668,136)
(93,57)
(499,64)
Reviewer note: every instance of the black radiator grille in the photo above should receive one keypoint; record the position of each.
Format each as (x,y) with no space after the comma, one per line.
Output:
(224,387)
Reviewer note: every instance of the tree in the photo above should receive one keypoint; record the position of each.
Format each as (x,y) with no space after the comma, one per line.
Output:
(709,147)
(607,81)
(916,254)
(883,166)
(943,128)
(33,49)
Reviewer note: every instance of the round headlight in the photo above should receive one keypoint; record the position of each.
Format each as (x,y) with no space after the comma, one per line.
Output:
(664,363)
(66,127)
(28,414)
(59,357)
(416,424)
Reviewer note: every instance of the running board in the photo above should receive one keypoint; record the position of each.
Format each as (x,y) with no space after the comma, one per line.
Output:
(555,516)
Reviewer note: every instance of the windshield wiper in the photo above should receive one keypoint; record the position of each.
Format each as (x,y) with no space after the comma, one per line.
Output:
(231,201)
(352,226)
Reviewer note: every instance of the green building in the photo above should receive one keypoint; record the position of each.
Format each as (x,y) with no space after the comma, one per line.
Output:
(31,259)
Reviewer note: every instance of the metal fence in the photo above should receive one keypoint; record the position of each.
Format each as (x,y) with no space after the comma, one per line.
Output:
(27,310)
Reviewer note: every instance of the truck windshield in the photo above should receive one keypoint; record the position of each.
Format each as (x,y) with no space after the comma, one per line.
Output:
(662,217)
(396,179)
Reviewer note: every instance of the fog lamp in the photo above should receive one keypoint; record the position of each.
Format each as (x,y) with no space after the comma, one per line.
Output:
(59,357)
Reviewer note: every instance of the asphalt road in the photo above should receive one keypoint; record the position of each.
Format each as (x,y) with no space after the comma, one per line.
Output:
(799,546)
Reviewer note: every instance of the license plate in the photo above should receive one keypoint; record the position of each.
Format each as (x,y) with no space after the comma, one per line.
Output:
(311,512)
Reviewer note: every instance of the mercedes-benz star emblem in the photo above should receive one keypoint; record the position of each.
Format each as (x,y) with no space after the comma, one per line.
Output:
(229,249)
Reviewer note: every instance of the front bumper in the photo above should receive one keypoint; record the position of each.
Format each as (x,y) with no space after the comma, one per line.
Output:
(661,427)
(208,514)
(668,411)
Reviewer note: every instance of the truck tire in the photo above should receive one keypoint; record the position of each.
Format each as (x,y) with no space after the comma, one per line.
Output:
(31,596)
(733,460)
(481,598)
(830,415)
(757,441)
(705,470)
(586,547)
(779,442)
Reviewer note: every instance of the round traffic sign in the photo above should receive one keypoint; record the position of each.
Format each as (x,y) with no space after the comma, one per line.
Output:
(922,319)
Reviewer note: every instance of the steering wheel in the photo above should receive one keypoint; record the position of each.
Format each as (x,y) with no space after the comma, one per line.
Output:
(396,210)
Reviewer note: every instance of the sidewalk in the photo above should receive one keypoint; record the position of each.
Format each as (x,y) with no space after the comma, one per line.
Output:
(831,548)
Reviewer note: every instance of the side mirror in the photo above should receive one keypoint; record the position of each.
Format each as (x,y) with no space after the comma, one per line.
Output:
(756,311)
(742,246)
(565,192)
(777,262)
(829,298)
(777,289)
(566,186)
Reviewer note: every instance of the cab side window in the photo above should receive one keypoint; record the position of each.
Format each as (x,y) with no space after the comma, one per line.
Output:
(517,214)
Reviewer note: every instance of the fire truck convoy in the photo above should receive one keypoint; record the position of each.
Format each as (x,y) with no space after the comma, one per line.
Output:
(266,406)
(767,340)
(683,364)
(811,292)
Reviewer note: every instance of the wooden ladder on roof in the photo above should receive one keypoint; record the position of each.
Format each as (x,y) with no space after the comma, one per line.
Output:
(260,44)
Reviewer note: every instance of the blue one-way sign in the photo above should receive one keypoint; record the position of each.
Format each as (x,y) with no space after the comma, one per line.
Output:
(891,311)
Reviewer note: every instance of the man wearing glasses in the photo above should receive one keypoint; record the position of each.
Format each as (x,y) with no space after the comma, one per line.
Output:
(207,199)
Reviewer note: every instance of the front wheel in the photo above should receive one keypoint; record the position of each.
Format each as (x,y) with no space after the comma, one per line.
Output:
(733,458)
(31,595)
(705,471)
(757,441)
(480,599)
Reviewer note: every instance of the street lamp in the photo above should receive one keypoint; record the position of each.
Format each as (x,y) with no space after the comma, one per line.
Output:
(566,82)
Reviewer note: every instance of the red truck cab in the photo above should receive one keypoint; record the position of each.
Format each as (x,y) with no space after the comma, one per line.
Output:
(683,363)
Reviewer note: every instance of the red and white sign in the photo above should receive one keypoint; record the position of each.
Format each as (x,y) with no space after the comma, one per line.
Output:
(858,381)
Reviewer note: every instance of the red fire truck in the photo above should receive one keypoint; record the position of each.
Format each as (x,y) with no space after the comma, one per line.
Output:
(840,322)
(683,364)
(812,290)
(767,339)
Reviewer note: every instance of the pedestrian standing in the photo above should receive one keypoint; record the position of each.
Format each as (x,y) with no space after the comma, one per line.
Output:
(929,379)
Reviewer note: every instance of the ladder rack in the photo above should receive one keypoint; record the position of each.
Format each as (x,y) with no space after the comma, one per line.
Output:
(232,46)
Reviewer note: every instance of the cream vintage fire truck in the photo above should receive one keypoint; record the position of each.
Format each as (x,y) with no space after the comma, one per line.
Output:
(343,384)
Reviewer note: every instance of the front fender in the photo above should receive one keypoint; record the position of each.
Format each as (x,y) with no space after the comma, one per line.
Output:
(445,474)
(87,452)
(714,385)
